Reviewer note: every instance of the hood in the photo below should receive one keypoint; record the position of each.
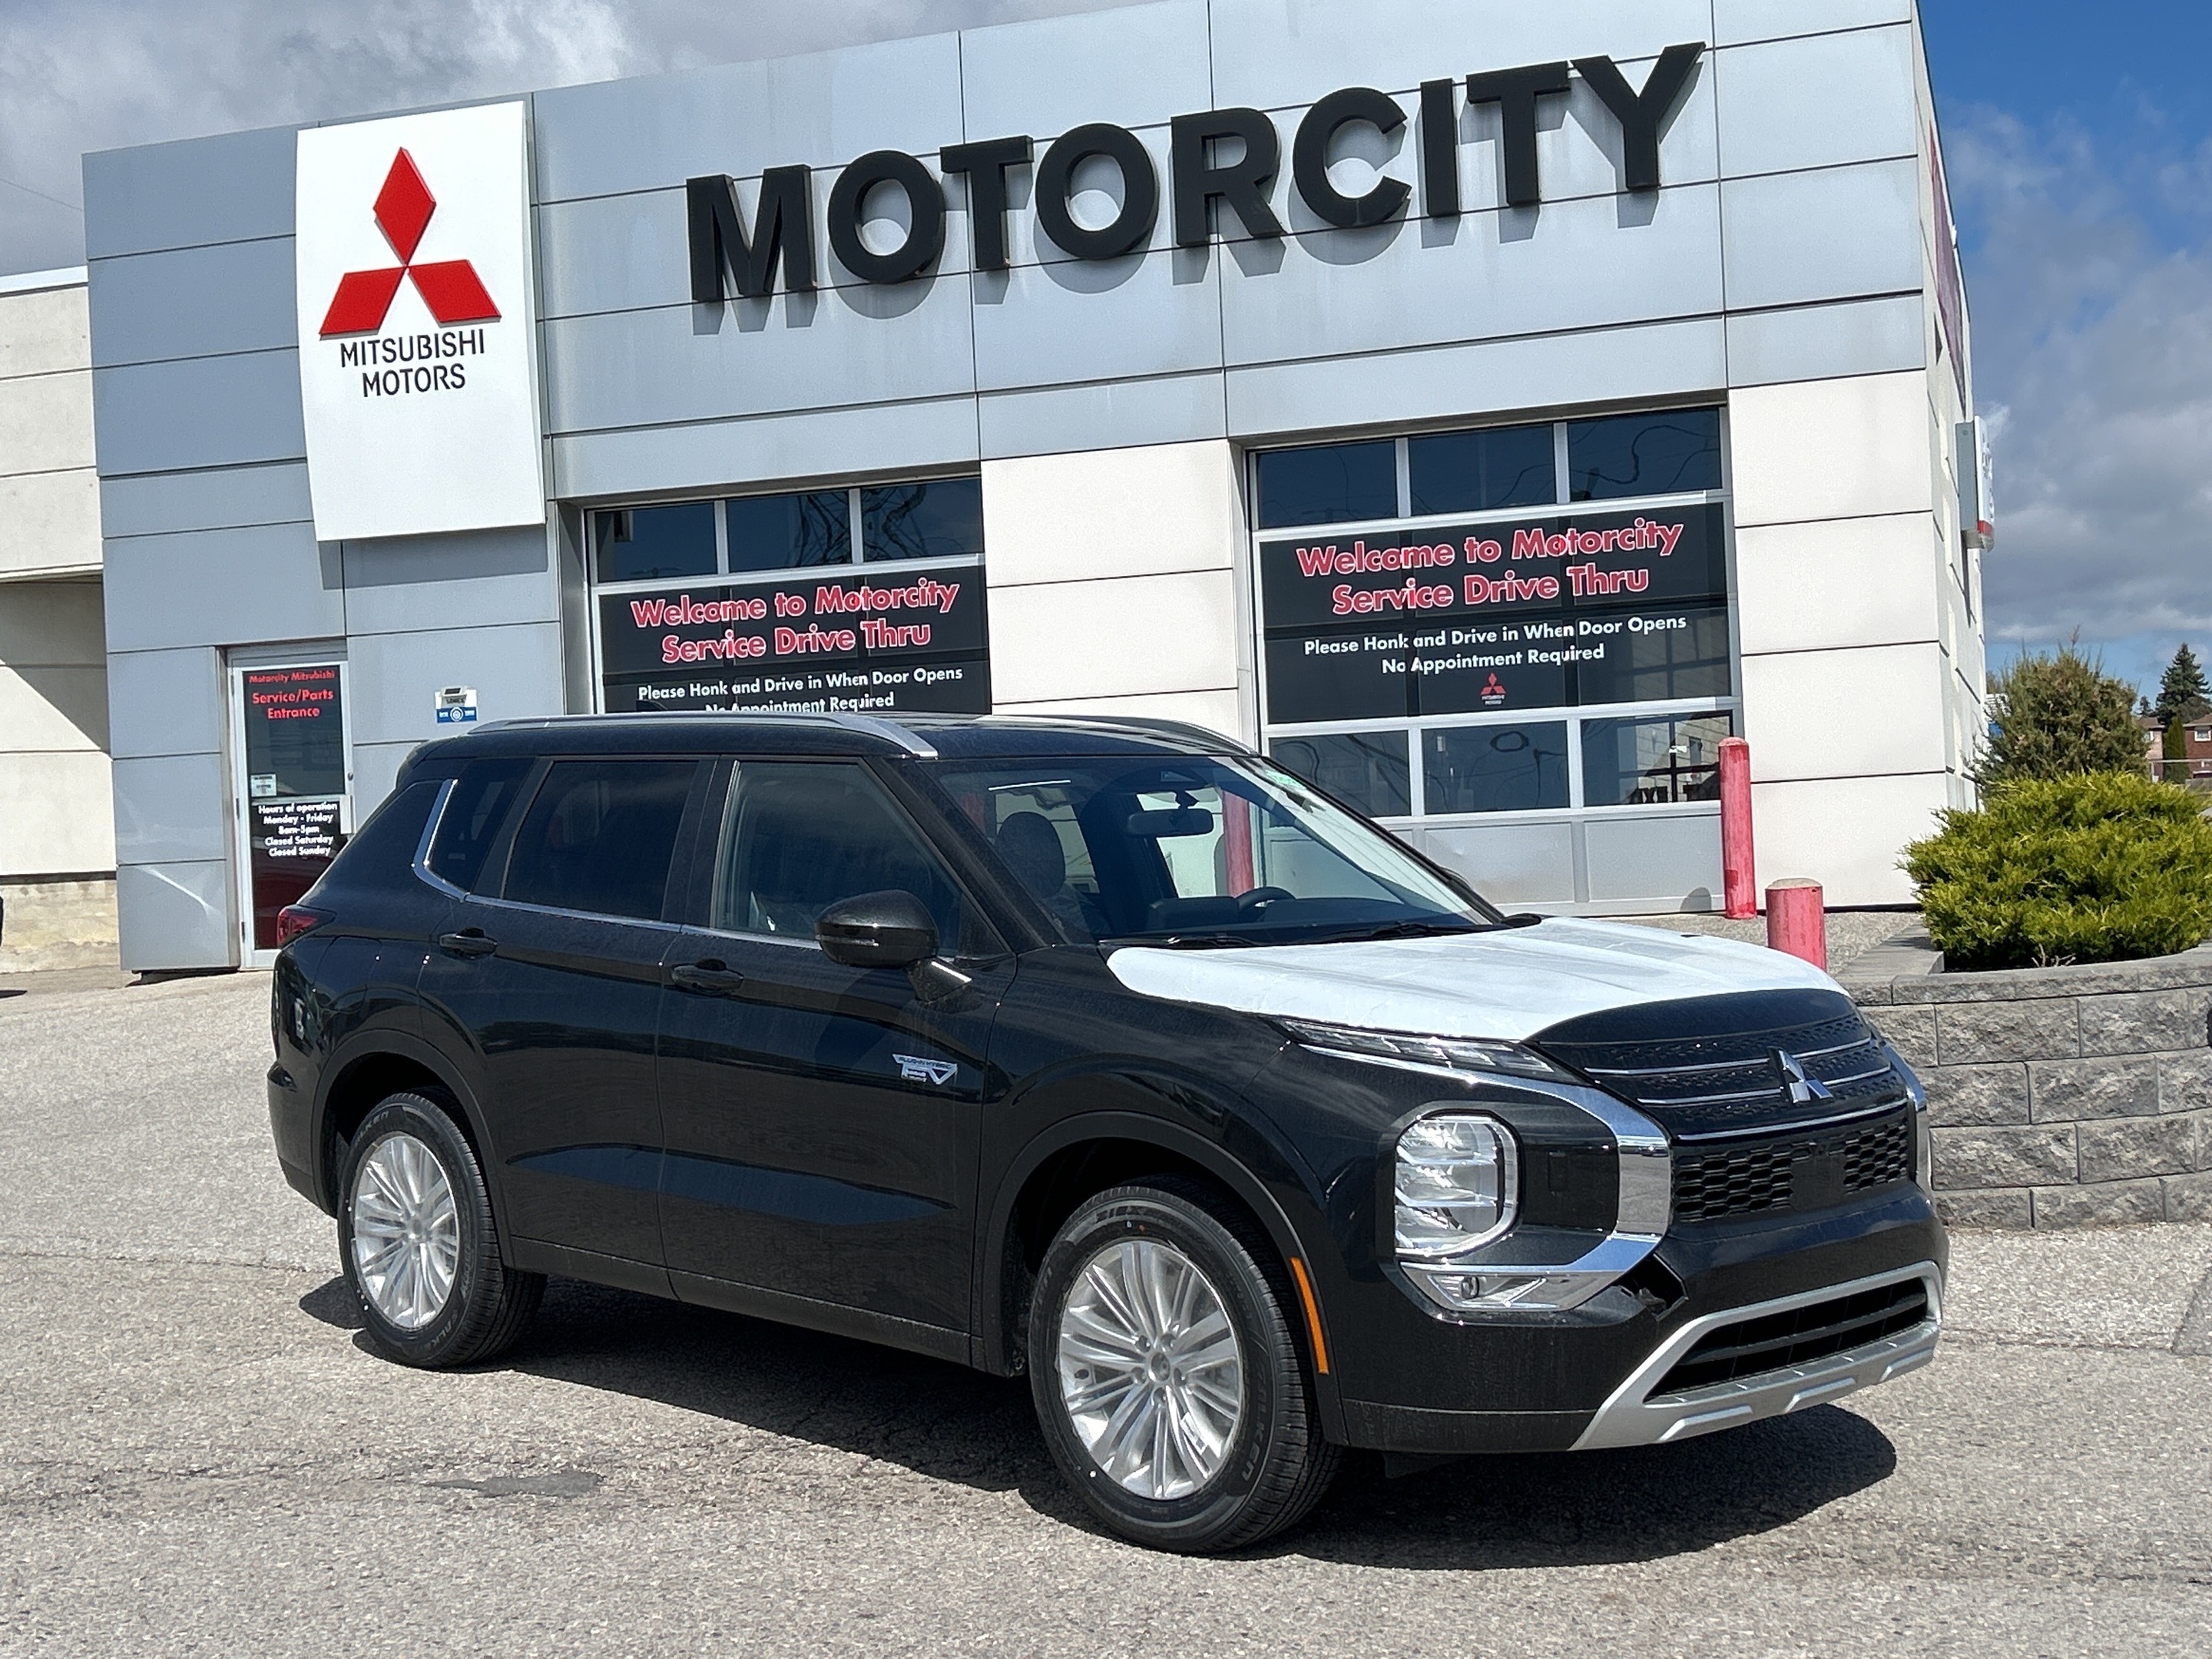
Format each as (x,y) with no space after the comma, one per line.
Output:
(1507,985)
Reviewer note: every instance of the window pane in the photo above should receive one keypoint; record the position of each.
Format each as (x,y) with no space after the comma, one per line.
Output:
(1328,485)
(471,821)
(295,741)
(644,542)
(784,533)
(801,838)
(600,837)
(940,520)
(1371,771)
(1654,656)
(1653,762)
(1477,472)
(1643,455)
(1495,769)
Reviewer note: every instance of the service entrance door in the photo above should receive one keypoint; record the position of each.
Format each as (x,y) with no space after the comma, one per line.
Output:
(292,783)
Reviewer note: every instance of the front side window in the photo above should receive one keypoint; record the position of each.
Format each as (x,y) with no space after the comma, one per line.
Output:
(798,837)
(600,837)
(1200,851)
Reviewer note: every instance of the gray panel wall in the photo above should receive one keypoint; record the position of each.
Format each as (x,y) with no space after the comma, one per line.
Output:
(1785,247)
(210,543)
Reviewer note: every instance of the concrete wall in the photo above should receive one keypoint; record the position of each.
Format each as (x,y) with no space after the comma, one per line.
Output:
(1782,272)
(1159,623)
(55,819)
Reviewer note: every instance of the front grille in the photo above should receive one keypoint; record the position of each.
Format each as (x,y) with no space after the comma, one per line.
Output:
(1711,1066)
(1776,1341)
(1805,1171)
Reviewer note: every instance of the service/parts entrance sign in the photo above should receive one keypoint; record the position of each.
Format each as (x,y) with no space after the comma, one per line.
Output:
(888,641)
(1548,612)
(417,356)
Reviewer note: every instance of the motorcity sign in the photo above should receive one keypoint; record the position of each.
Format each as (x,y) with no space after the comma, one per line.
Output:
(1547,612)
(1224,159)
(415,293)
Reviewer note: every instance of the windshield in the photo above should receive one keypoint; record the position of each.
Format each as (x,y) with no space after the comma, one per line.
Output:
(1201,852)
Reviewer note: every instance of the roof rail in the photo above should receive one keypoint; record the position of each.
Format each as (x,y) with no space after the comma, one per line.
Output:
(869,725)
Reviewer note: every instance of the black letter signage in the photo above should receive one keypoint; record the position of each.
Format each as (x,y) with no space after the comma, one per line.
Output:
(1641,114)
(925,234)
(783,229)
(1140,193)
(1309,158)
(1439,150)
(985,164)
(1516,92)
(1241,185)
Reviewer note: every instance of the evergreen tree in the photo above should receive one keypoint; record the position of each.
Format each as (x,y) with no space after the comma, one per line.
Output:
(2183,684)
(2058,716)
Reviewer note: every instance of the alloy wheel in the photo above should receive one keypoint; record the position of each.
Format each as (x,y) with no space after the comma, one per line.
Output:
(1151,1376)
(406,1231)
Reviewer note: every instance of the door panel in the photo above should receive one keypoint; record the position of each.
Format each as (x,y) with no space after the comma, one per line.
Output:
(556,999)
(821,1122)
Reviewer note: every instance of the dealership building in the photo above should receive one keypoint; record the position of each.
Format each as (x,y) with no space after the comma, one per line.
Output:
(1484,408)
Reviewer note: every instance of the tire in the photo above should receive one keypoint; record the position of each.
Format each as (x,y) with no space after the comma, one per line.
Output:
(419,1244)
(1230,1478)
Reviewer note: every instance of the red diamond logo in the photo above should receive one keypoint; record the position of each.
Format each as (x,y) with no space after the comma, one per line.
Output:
(450,287)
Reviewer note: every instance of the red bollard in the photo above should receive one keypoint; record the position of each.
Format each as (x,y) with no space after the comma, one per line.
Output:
(1797,921)
(1739,874)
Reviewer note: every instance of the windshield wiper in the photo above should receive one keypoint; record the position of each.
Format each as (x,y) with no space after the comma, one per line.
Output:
(1390,930)
(1202,942)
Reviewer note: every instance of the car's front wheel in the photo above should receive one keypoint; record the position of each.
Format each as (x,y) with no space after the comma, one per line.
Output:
(419,1243)
(1165,1374)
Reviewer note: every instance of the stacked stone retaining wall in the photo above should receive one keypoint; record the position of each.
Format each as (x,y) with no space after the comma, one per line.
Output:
(2057,1097)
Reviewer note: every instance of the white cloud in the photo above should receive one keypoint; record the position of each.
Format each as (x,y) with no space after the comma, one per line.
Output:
(2092,325)
(88,75)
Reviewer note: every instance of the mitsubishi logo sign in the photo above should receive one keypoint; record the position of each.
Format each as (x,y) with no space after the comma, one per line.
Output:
(1799,1087)
(418,356)
(450,287)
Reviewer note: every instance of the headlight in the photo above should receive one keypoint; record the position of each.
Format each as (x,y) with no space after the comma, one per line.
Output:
(1449,1054)
(1458,1185)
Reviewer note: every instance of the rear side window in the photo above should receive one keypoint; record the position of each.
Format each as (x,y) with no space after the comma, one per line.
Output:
(600,837)
(471,823)
(382,849)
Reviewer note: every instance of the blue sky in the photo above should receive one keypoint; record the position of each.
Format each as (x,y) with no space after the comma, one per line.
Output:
(2079,138)
(2079,142)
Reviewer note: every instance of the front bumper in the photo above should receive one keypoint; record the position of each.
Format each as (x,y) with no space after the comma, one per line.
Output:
(1639,1414)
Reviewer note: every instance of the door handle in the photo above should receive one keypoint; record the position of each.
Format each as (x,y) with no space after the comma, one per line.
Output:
(712,976)
(469,942)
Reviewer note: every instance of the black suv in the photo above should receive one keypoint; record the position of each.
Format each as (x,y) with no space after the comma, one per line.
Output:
(1104,1051)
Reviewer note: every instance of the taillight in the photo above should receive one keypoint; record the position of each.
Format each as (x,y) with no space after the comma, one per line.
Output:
(294,920)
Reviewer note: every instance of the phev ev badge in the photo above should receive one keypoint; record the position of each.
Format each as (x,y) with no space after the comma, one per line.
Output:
(913,1068)
(1802,1089)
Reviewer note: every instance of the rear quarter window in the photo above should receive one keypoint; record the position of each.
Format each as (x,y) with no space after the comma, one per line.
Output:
(382,851)
(469,827)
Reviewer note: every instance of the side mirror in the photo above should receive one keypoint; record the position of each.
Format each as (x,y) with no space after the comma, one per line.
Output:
(877,930)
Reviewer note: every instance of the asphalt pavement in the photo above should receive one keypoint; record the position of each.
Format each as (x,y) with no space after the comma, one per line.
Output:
(198,1456)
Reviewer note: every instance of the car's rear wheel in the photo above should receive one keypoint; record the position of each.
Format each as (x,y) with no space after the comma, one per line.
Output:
(419,1243)
(1166,1376)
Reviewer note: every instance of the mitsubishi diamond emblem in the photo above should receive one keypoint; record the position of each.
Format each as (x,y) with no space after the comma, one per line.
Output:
(1802,1089)
(914,1069)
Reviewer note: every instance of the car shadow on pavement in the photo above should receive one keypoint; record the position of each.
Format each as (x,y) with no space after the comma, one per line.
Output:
(947,1422)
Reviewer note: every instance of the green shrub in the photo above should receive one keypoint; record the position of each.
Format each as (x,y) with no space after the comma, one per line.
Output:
(2102,867)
